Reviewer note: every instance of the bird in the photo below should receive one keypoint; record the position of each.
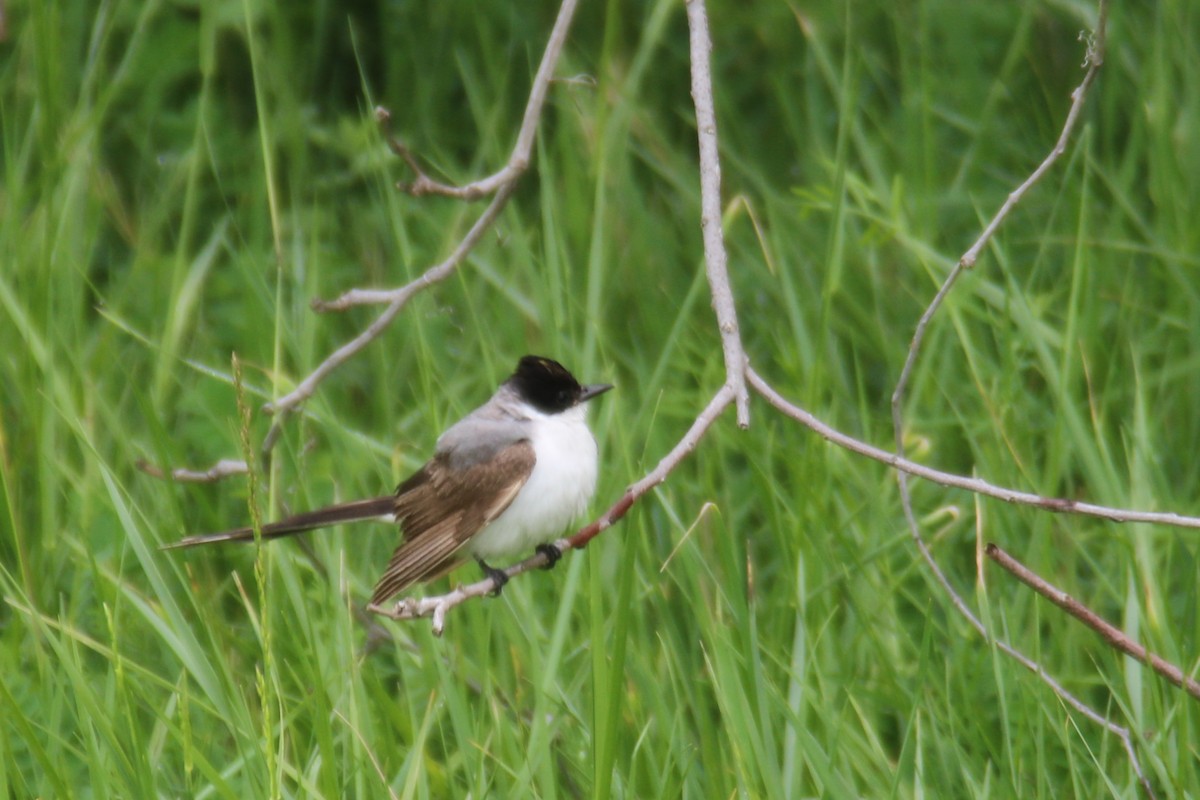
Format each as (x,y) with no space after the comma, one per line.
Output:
(510,476)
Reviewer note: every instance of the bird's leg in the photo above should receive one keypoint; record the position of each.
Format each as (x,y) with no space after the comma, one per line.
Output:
(551,552)
(499,577)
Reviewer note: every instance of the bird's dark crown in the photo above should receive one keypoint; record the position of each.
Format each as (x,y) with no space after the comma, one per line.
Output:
(546,384)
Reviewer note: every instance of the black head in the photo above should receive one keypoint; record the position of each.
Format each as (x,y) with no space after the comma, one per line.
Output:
(549,387)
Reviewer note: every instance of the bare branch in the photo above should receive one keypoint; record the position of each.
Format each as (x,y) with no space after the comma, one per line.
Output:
(438,606)
(518,162)
(715,257)
(914,348)
(433,275)
(980,487)
(222,469)
(1094,60)
(1120,731)
(502,184)
(1109,632)
(976,485)
(398,299)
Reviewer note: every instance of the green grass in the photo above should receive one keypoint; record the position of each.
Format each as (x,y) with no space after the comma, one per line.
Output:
(180,179)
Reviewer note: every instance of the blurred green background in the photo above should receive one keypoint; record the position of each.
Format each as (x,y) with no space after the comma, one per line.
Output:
(180,179)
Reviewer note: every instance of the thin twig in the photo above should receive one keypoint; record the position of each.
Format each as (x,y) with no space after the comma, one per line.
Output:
(222,469)
(976,485)
(435,274)
(1109,632)
(1120,731)
(1095,58)
(1093,61)
(715,257)
(980,487)
(399,298)
(502,184)
(438,606)
(522,151)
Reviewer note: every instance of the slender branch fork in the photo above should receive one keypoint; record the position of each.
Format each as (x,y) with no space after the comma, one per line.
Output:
(715,257)
(501,185)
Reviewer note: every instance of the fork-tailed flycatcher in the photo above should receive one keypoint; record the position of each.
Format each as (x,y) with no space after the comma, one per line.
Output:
(510,476)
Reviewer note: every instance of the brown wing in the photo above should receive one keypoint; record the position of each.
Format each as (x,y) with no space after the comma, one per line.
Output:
(440,508)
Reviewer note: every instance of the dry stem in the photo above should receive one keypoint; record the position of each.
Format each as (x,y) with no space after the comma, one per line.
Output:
(715,257)
(502,184)
(1115,637)
(219,471)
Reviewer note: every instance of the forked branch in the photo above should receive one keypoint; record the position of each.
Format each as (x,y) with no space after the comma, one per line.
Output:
(501,185)
(716,260)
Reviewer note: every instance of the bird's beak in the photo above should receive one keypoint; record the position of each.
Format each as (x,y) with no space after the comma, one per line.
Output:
(592,390)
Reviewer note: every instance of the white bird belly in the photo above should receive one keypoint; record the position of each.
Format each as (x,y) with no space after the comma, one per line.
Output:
(559,488)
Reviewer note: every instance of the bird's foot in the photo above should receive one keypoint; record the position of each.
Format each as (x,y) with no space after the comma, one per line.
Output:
(551,552)
(499,577)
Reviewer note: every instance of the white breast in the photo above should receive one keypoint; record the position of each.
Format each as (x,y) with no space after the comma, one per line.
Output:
(557,492)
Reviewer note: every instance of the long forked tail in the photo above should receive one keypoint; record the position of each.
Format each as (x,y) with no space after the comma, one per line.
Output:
(356,511)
